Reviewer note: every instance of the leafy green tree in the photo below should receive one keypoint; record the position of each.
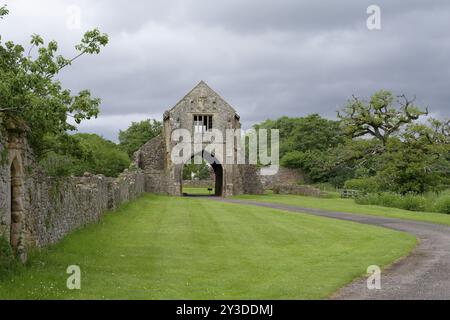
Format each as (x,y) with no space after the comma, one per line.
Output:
(90,153)
(138,134)
(202,171)
(102,156)
(420,161)
(378,145)
(382,117)
(308,133)
(29,94)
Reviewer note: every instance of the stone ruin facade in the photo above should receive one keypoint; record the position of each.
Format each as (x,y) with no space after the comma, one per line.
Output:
(37,210)
(201,105)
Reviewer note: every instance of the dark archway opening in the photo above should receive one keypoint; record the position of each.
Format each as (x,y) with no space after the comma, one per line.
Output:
(203,187)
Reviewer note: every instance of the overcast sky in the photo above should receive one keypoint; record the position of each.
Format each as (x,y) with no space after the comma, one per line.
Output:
(266,58)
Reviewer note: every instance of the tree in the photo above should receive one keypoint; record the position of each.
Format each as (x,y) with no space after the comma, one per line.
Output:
(334,165)
(308,133)
(102,156)
(89,153)
(411,168)
(138,133)
(202,171)
(380,117)
(30,96)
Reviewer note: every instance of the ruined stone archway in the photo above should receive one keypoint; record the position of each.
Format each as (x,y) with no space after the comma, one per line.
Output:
(201,111)
(218,173)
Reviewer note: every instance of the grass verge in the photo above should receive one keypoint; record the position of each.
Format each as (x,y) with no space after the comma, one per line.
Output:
(349,205)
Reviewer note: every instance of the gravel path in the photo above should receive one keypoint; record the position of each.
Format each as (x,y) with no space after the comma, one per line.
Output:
(424,274)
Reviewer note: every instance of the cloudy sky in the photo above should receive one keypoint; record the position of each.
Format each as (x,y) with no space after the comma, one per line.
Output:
(267,58)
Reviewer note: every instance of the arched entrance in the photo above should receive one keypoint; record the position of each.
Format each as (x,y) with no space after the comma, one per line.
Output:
(213,187)
(16,206)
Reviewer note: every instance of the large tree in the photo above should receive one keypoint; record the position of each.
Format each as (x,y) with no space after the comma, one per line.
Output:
(32,97)
(382,117)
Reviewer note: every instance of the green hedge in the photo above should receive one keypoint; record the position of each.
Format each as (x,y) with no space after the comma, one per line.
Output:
(369,184)
(431,202)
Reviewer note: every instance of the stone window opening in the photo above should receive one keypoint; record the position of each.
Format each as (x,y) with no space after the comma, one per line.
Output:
(202,123)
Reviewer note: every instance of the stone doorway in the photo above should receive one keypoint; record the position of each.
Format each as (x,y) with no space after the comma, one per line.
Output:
(216,188)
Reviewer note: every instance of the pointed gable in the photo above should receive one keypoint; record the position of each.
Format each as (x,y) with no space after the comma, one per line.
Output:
(202,99)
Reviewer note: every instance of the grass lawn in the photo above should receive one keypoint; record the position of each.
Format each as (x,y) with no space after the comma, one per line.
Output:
(161,247)
(349,205)
(198,191)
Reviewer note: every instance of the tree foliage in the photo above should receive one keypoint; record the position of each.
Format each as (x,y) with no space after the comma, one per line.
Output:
(29,93)
(138,134)
(201,171)
(382,117)
(376,145)
(302,134)
(80,153)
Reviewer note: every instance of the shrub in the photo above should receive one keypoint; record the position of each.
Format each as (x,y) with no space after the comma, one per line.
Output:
(370,198)
(369,184)
(7,261)
(413,202)
(442,204)
(56,165)
(387,199)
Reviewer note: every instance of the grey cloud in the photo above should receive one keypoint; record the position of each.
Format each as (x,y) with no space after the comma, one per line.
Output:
(267,58)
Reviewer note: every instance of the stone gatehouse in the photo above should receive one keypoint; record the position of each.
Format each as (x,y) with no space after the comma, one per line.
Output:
(37,210)
(200,110)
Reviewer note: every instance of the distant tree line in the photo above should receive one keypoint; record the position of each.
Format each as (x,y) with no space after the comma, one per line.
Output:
(376,145)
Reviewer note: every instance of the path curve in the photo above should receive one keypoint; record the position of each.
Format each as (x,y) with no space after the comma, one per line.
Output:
(424,274)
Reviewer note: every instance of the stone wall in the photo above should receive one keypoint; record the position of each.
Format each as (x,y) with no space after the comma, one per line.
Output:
(56,206)
(42,210)
(251,183)
(297,190)
(284,176)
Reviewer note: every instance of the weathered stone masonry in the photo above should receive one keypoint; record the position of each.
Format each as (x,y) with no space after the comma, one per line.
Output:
(163,176)
(37,210)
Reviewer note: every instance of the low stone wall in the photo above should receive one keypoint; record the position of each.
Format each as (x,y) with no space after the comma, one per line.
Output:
(37,210)
(297,189)
(128,186)
(284,176)
(198,183)
(56,206)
